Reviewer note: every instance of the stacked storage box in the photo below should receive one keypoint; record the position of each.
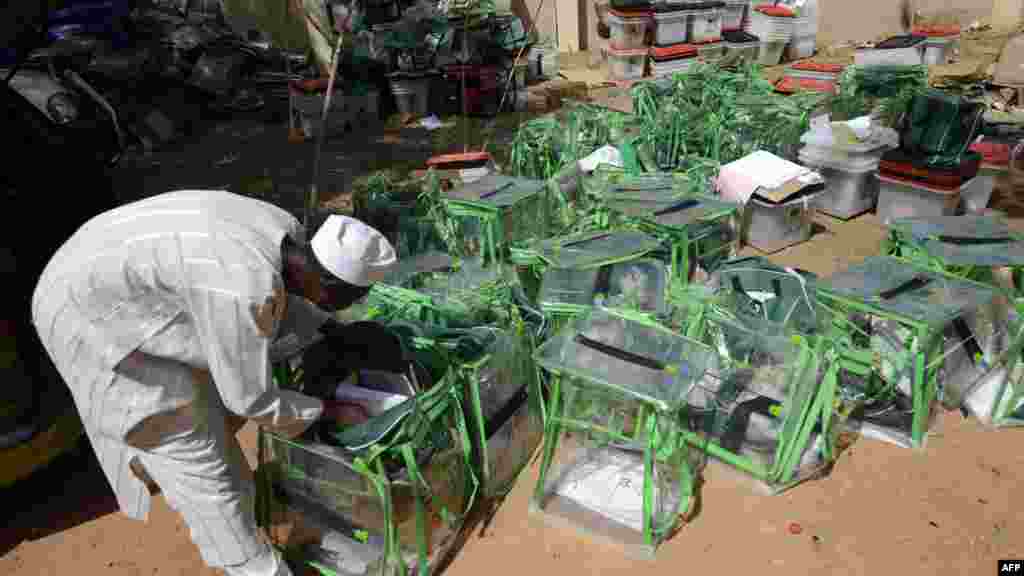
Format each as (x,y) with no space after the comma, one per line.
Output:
(848,167)
(696,23)
(740,46)
(734,14)
(805,29)
(669,60)
(997,161)
(774,26)
(933,167)
(939,43)
(895,51)
(628,41)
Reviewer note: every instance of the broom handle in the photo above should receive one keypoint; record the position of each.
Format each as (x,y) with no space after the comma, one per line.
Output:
(314,193)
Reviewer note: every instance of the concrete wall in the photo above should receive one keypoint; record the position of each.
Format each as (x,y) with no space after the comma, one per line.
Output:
(839,20)
(844,20)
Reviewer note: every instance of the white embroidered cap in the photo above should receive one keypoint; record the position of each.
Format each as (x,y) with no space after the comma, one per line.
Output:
(353,251)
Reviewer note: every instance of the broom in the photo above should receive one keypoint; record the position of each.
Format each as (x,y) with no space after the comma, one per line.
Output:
(295,133)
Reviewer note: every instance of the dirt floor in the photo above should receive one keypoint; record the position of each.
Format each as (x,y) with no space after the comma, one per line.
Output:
(883,510)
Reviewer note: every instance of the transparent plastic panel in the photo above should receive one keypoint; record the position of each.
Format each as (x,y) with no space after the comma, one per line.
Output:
(754,403)
(979,347)
(592,248)
(997,395)
(596,479)
(510,447)
(896,287)
(970,240)
(640,360)
(758,291)
(333,516)
(497,191)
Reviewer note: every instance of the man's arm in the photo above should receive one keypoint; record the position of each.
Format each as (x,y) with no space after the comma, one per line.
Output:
(236,335)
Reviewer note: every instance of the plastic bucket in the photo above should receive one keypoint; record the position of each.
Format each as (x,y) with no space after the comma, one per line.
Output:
(412,96)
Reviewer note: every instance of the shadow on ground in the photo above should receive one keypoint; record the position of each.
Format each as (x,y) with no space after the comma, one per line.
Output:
(70,491)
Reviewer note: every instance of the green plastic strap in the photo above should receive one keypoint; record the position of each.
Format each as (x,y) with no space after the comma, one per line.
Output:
(648,497)
(796,426)
(418,494)
(552,435)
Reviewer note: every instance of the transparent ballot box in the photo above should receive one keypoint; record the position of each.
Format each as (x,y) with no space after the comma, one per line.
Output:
(492,368)
(612,269)
(498,386)
(702,230)
(484,218)
(978,247)
(386,495)
(768,406)
(897,324)
(614,461)
(982,367)
(755,289)
(395,209)
(439,289)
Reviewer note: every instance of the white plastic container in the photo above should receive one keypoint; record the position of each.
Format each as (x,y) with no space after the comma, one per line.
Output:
(733,14)
(666,61)
(773,227)
(975,200)
(412,95)
(627,64)
(680,66)
(939,49)
(740,46)
(770,53)
(821,141)
(706,26)
(851,188)
(711,52)
(909,51)
(903,199)
(672,27)
(770,27)
(801,47)
(627,32)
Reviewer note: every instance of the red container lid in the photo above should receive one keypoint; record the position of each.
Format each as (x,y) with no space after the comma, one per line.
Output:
(937,31)
(994,153)
(630,14)
(885,176)
(673,52)
(776,11)
(460,158)
(790,85)
(809,66)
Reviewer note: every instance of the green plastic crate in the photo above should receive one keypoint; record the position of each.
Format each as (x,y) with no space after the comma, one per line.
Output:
(614,463)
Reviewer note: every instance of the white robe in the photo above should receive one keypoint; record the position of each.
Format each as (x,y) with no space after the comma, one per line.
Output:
(192,277)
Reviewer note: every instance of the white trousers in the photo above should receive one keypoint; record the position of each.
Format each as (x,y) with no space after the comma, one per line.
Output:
(204,476)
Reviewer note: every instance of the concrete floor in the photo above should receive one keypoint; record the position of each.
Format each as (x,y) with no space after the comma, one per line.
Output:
(948,509)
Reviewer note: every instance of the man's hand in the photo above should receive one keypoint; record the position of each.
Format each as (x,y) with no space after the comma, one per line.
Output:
(297,9)
(344,414)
